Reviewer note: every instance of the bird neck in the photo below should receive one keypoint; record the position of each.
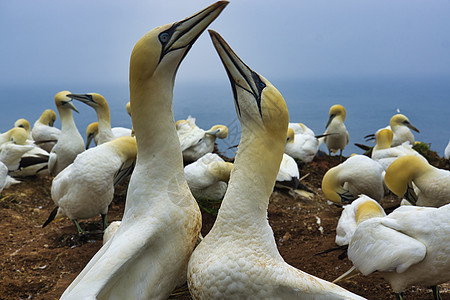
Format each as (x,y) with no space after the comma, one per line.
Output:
(157,140)
(67,122)
(104,125)
(252,179)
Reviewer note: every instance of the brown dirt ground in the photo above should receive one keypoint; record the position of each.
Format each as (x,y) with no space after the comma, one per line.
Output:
(39,263)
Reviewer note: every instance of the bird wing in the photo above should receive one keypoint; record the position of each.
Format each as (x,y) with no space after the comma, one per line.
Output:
(125,169)
(380,244)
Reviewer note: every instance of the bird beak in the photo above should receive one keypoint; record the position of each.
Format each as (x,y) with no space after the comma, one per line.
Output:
(240,75)
(412,127)
(213,132)
(186,32)
(85,98)
(88,140)
(329,120)
(70,104)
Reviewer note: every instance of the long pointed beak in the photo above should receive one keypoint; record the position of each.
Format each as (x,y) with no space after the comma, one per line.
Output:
(71,105)
(183,34)
(412,127)
(329,120)
(85,98)
(239,73)
(88,140)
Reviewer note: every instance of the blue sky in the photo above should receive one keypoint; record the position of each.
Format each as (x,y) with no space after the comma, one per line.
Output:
(91,41)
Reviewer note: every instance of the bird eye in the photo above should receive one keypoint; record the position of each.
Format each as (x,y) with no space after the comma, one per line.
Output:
(164,37)
(262,85)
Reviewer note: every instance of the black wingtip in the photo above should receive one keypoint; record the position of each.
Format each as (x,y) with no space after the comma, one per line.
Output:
(51,217)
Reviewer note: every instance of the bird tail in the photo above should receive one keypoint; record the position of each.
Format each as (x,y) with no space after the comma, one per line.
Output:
(51,217)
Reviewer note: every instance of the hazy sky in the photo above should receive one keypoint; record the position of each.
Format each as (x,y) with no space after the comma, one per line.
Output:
(90,41)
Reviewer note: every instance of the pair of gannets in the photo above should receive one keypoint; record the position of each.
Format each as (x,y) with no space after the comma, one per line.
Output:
(384,154)
(301,143)
(85,188)
(92,133)
(196,142)
(208,177)
(147,256)
(70,142)
(238,258)
(43,132)
(418,182)
(358,175)
(410,246)
(401,128)
(336,134)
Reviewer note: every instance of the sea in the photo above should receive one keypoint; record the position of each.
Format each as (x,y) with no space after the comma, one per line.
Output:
(370,102)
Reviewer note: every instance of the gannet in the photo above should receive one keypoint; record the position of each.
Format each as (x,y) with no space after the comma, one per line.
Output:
(358,175)
(196,142)
(384,154)
(92,133)
(43,132)
(431,185)
(410,246)
(98,102)
(401,128)
(23,123)
(86,187)
(238,258)
(353,214)
(208,176)
(5,180)
(302,146)
(336,133)
(22,157)
(148,255)
(6,136)
(70,142)
(288,175)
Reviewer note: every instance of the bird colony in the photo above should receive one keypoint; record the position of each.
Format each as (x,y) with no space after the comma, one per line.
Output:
(175,166)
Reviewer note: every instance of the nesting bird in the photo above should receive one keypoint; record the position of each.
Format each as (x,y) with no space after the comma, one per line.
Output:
(301,145)
(358,175)
(196,142)
(238,258)
(208,177)
(70,142)
(147,256)
(384,154)
(407,247)
(43,132)
(418,182)
(336,133)
(23,123)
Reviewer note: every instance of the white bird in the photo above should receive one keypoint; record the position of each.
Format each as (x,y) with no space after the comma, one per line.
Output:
(70,142)
(21,157)
(353,214)
(418,182)
(148,255)
(384,154)
(92,133)
(302,146)
(447,151)
(196,142)
(358,175)
(5,180)
(43,132)
(401,128)
(208,176)
(337,136)
(410,246)
(238,258)
(6,136)
(86,187)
